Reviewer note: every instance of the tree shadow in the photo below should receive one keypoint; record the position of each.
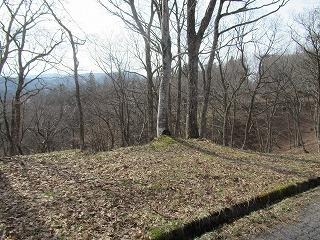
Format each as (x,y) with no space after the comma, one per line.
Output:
(19,218)
(289,158)
(241,161)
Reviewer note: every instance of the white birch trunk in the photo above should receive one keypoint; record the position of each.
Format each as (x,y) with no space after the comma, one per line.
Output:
(162,117)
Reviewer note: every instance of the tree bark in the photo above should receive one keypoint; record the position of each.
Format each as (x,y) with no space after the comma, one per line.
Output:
(179,76)
(150,96)
(248,122)
(162,118)
(78,96)
(207,87)
(194,40)
(193,49)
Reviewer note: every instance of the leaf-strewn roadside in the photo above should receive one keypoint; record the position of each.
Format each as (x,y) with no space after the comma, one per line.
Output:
(262,222)
(135,192)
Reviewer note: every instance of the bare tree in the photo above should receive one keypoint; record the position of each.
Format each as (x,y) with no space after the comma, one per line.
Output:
(265,63)
(9,30)
(233,74)
(74,45)
(180,22)
(224,12)
(309,42)
(294,96)
(194,39)
(127,11)
(47,118)
(29,56)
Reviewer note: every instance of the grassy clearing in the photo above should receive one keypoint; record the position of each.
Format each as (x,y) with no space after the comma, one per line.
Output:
(135,192)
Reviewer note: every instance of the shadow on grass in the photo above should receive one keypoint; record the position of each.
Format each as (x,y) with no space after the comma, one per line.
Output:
(241,161)
(289,158)
(230,214)
(19,219)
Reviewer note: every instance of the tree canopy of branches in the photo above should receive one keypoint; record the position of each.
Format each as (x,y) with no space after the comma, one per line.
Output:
(215,69)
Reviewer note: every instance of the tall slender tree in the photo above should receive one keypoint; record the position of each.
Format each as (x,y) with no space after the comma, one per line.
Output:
(74,45)
(195,38)
(134,20)
(162,118)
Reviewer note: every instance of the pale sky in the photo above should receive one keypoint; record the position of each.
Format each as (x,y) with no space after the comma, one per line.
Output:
(93,19)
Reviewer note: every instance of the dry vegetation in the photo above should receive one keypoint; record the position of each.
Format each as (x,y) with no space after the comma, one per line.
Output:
(261,222)
(135,192)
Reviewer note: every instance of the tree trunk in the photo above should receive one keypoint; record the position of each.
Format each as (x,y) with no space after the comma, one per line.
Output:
(178,114)
(192,127)
(162,118)
(169,108)
(76,78)
(78,97)
(213,125)
(225,127)
(207,87)
(16,109)
(289,129)
(194,40)
(233,123)
(249,118)
(5,118)
(150,132)
(193,60)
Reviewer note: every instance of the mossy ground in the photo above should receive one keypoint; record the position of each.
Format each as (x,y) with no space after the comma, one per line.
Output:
(162,142)
(131,193)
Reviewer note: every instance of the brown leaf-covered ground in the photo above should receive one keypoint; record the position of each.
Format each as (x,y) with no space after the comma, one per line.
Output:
(275,218)
(134,192)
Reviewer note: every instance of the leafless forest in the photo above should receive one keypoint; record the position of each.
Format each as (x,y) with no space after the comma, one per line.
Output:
(229,71)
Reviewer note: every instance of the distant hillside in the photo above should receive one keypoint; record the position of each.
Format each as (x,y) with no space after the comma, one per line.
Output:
(53,80)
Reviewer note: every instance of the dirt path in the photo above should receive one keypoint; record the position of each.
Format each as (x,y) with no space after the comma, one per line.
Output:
(306,228)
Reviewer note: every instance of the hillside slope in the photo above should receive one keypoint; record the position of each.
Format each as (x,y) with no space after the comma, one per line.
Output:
(135,192)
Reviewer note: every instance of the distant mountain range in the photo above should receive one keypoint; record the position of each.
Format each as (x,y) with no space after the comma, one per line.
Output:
(54,80)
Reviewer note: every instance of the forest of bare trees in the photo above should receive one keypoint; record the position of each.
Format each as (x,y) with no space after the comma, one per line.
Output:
(223,70)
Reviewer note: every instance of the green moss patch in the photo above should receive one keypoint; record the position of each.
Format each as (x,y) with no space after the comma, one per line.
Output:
(162,142)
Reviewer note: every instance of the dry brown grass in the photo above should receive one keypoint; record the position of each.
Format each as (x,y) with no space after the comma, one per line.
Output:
(133,192)
(261,222)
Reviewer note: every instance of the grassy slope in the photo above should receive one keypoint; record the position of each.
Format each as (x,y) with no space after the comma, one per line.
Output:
(262,222)
(134,192)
